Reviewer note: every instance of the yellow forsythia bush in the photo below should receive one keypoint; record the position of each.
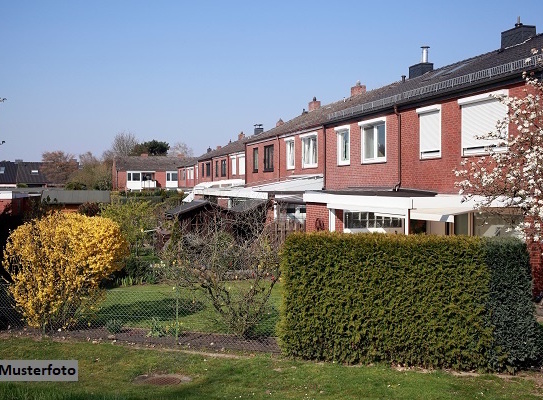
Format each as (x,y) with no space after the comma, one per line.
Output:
(57,264)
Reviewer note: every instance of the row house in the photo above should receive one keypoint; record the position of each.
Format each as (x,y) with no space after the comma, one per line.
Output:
(383,160)
(144,172)
(390,153)
(211,173)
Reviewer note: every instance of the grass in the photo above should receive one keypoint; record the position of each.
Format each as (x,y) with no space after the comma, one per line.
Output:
(137,306)
(107,372)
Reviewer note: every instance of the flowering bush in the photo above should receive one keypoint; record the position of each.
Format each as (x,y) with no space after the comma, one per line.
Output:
(57,263)
(512,178)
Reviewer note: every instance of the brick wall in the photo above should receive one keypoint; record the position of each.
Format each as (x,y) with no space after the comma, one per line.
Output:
(280,171)
(160,178)
(536,261)
(260,177)
(356,174)
(429,174)
(202,177)
(316,212)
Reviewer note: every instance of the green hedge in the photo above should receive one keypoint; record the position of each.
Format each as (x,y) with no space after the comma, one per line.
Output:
(413,300)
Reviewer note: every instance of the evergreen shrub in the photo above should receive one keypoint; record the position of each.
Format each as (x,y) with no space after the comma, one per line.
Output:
(412,300)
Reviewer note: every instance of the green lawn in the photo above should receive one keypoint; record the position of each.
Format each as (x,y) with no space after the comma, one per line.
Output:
(107,372)
(137,306)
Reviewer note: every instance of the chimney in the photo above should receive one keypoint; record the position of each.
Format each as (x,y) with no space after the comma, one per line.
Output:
(279,123)
(218,148)
(241,136)
(517,35)
(423,67)
(258,129)
(144,154)
(313,105)
(358,89)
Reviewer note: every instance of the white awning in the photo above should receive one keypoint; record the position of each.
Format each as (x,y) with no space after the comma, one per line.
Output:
(439,214)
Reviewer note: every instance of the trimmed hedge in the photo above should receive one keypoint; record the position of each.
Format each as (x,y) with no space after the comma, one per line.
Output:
(438,302)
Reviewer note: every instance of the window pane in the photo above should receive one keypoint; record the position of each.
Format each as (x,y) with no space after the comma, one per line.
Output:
(369,142)
(345,146)
(461,224)
(135,176)
(381,144)
(313,150)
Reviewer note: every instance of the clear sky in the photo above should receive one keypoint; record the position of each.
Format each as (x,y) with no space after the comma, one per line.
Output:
(77,72)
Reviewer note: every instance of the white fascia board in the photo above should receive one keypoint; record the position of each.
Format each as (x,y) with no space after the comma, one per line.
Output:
(380,204)
(238,193)
(6,195)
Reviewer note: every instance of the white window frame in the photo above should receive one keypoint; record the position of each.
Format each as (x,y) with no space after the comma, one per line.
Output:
(472,146)
(241,162)
(233,169)
(190,173)
(429,131)
(315,162)
(290,153)
(169,175)
(373,123)
(341,131)
(377,221)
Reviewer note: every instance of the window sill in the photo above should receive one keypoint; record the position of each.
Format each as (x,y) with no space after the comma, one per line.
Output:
(268,170)
(375,161)
(343,163)
(310,166)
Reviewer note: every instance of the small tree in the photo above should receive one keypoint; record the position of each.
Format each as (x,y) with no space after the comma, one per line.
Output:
(227,246)
(134,217)
(58,166)
(93,174)
(153,148)
(57,263)
(512,178)
(123,145)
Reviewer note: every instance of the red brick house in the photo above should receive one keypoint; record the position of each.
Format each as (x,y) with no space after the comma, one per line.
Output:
(145,173)
(390,153)
(188,174)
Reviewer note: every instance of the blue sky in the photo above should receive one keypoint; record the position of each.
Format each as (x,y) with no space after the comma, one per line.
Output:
(76,73)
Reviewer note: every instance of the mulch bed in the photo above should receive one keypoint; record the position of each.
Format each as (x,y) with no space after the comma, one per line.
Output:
(210,342)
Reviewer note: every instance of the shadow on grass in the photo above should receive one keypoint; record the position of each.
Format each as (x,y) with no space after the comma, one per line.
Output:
(141,311)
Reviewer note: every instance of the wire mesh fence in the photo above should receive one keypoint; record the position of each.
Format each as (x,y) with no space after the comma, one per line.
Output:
(160,314)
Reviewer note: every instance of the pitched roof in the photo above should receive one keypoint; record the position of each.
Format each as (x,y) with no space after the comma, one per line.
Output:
(30,173)
(151,163)
(8,173)
(496,66)
(232,147)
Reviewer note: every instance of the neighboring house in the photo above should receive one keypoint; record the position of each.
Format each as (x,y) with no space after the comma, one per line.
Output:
(8,174)
(292,149)
(22,174)
(144,172)
(188,174)
(221,168)
(30,174)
